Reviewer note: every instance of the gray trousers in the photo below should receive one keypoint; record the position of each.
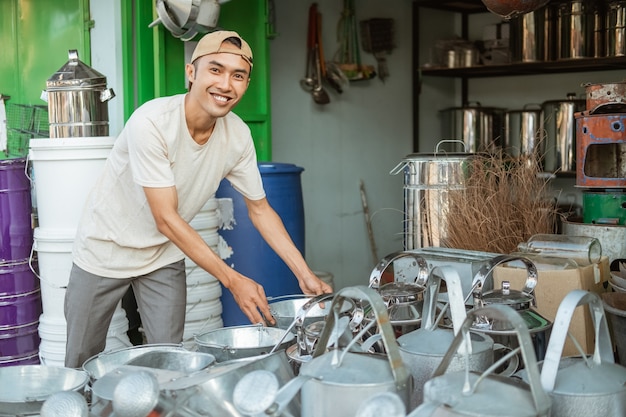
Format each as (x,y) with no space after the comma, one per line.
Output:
(91,300)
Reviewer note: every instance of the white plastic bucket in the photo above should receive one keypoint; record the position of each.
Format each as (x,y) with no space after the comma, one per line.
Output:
(54,254)
(203,310)
(64,171)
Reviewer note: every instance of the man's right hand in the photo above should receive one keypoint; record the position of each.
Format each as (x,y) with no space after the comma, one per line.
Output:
(250,296)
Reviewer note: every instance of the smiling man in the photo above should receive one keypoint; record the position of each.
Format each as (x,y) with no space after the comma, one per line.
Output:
(167,162)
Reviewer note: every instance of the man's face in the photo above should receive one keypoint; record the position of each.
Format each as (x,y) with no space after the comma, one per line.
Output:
(219,81)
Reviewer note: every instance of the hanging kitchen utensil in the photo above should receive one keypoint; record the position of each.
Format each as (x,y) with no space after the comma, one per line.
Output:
(377,37)
(348,55)
(308,82)
(333,82)
(589,384)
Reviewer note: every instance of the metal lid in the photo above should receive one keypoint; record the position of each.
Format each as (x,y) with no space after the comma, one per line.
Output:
(518,300)
(75,73)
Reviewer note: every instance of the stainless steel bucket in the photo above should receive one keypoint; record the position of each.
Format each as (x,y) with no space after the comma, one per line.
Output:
(522,134)
(616,28)
(479,128)
(78,101)
(532,35)
(559,126)
(428,181)
(575,29)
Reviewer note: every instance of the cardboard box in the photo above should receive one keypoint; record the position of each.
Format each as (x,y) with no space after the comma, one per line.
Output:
(553,286)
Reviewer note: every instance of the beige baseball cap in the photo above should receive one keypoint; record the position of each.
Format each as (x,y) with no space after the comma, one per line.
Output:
(213,43)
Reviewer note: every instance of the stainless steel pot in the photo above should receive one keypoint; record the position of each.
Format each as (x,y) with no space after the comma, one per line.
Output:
(237,342)
(404,298)
(532,35)
(428,181)
(423,349)
(559,124)
(464,394)
(78,100)
(340,380)
(521,301)
(576,29)
(588,385)
(480,128)
(523,135)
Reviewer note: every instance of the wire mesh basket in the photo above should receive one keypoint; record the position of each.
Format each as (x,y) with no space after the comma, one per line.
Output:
(23,122)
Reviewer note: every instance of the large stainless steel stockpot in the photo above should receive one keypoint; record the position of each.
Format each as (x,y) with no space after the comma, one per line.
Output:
(428,181)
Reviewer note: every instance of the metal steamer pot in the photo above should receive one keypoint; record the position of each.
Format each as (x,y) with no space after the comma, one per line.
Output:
(521,301)
(77,100)
(337,381)
(423,349)
(237,342)
(405,298)
(469,394)
(588,385)
(429,179)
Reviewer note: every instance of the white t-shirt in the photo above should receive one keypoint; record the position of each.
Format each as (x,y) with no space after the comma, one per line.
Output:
(117,236)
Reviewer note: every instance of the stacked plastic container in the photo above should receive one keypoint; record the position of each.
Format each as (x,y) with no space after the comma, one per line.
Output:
(20,297)
(204,307)
(64,169)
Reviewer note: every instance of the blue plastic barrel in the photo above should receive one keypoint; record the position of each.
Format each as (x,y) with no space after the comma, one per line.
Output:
(252,256)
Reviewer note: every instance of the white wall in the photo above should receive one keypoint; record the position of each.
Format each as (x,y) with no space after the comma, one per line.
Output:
(360,135)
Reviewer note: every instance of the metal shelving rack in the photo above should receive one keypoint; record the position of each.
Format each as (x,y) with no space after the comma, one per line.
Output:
(465,8)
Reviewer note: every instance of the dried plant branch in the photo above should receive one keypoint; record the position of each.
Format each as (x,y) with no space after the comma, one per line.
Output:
(504,202)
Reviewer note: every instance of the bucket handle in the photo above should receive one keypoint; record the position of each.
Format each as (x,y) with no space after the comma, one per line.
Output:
(450,141)
(361,292)
(377,272)
(603,350)
(456,301)
(486,271)
(505,313)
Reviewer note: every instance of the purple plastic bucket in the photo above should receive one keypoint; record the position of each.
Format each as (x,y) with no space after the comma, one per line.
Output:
(16,232)
(20,309)
(17,277)
(19,342)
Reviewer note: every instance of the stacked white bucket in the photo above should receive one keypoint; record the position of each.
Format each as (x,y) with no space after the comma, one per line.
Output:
(63,173)
(204,308)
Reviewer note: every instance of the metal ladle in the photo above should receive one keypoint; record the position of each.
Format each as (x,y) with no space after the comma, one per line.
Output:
(320,96)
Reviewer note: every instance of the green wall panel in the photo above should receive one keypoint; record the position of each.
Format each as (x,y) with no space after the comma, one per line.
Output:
(154,62)
(36,36)
(249,19)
